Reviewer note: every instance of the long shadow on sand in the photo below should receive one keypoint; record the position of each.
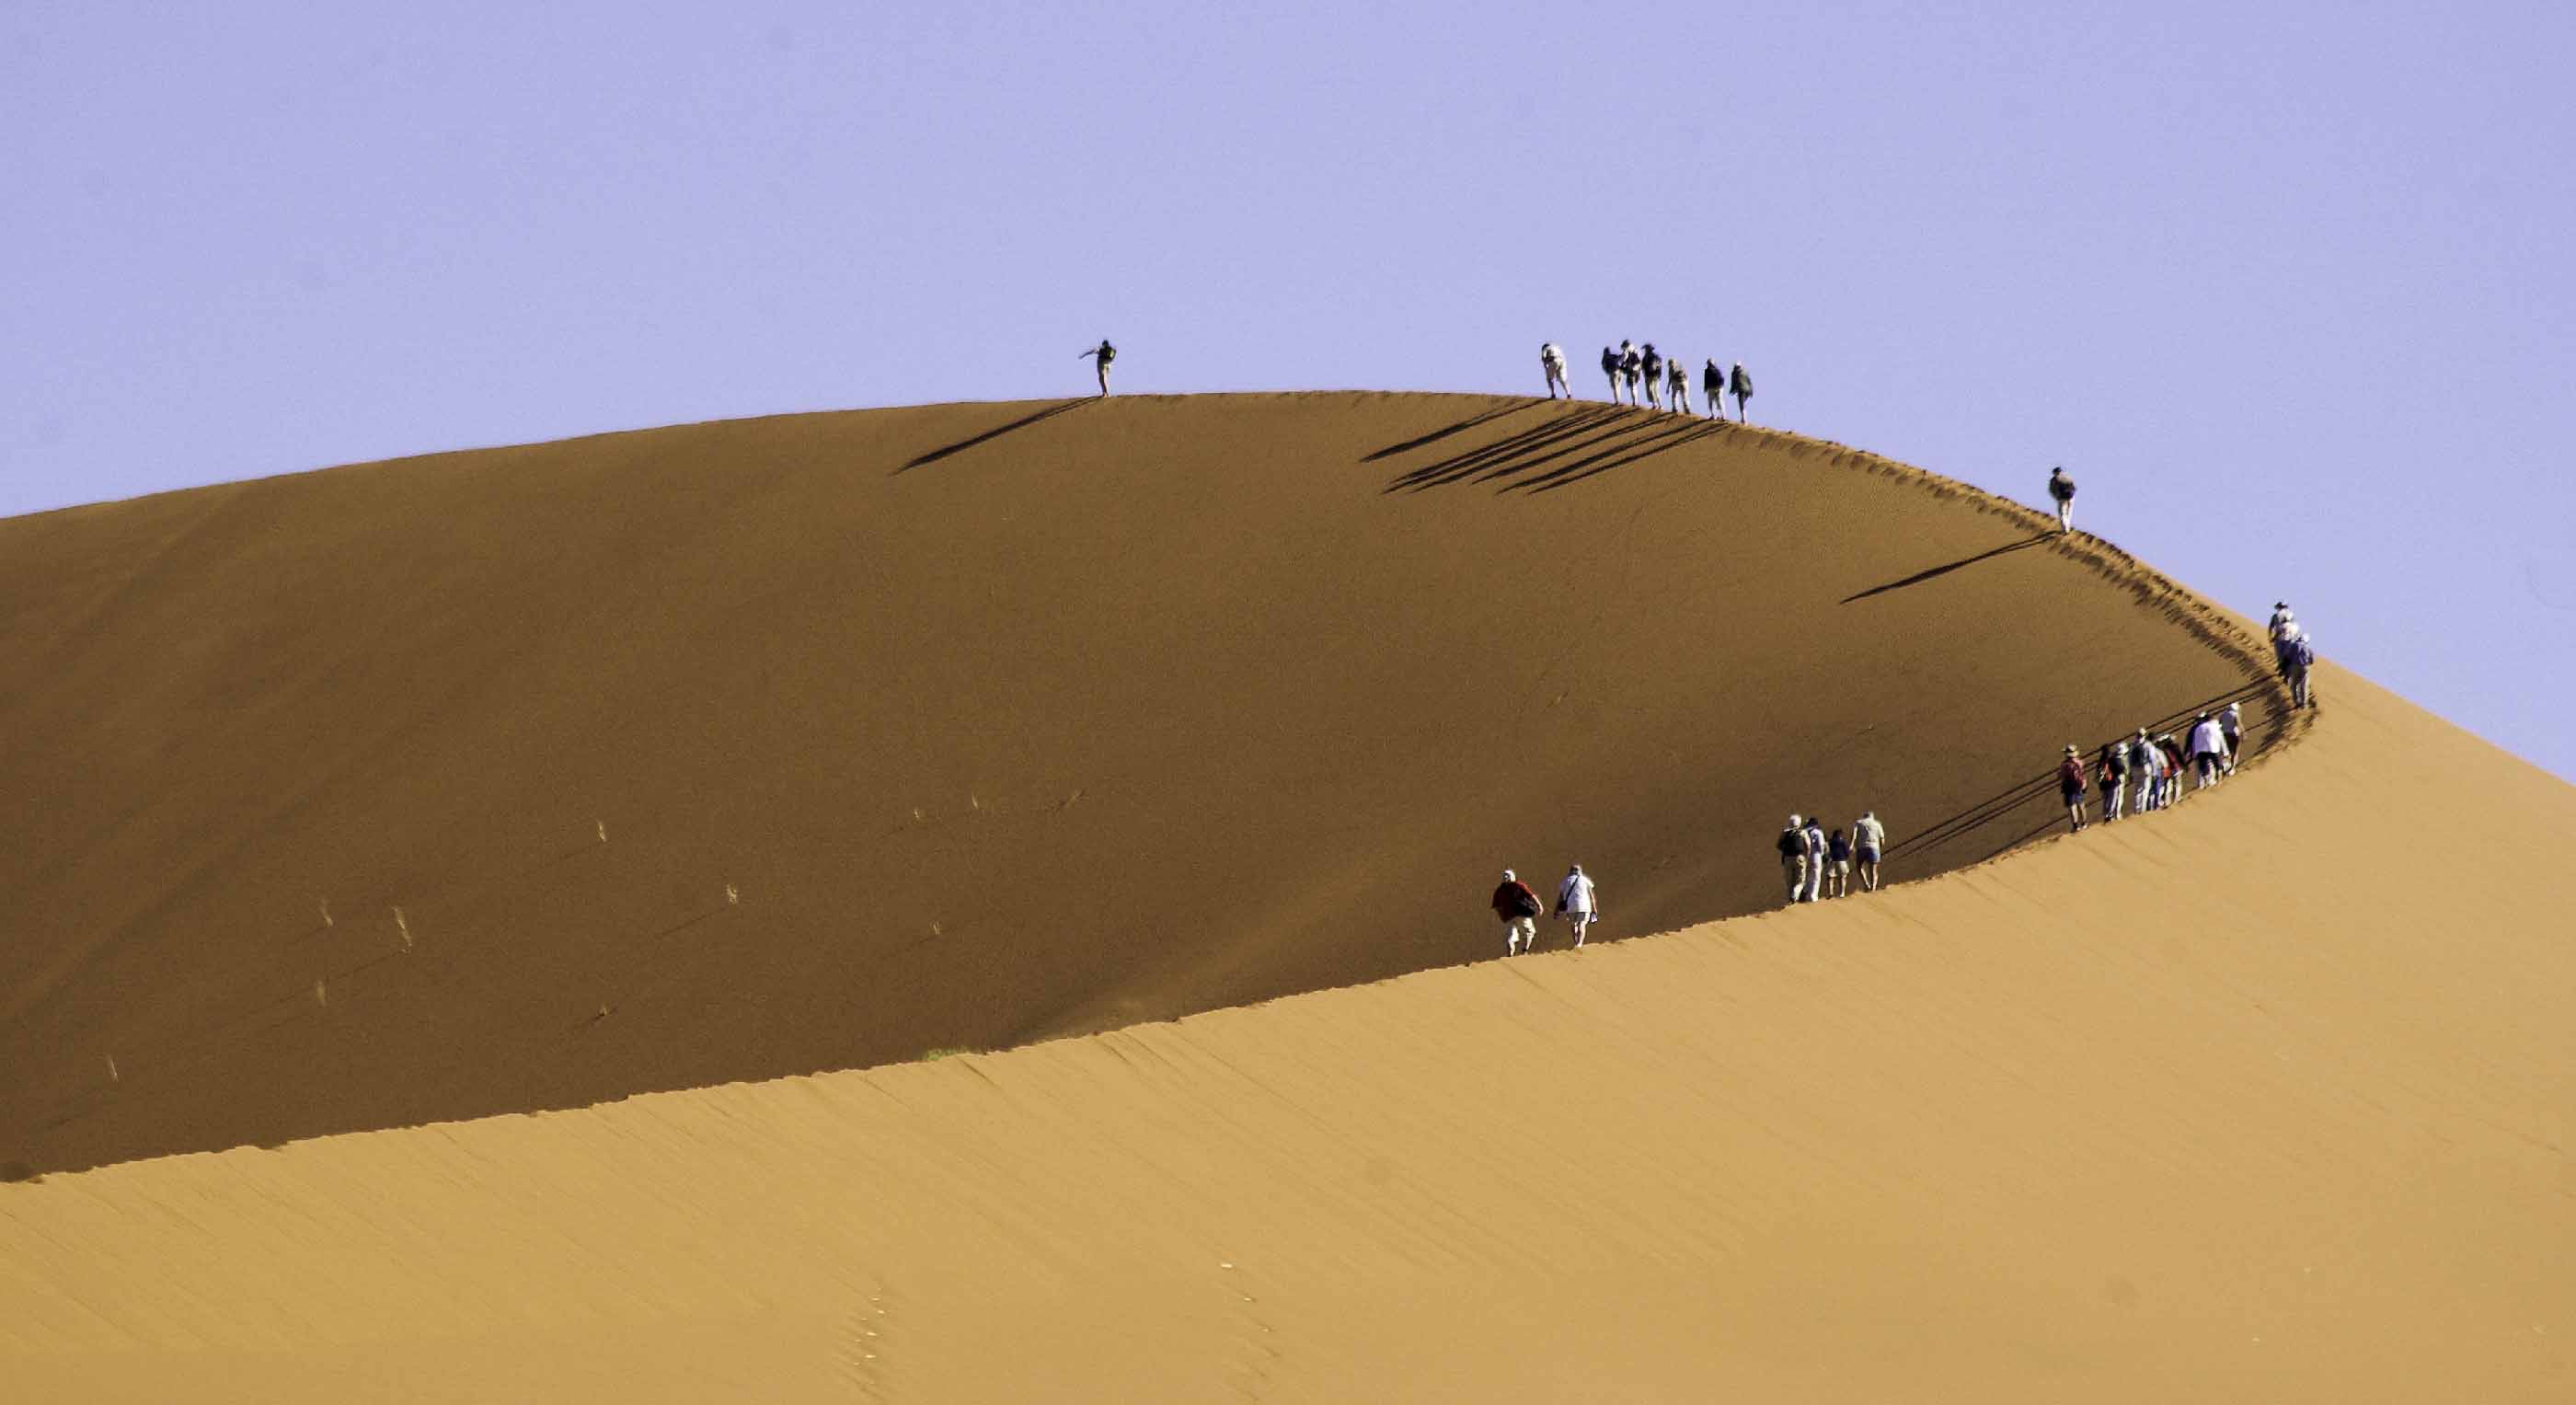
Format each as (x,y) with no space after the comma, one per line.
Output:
(1023,422)
(1564,450)
(1966,561)
(1461,427)
(2003,806)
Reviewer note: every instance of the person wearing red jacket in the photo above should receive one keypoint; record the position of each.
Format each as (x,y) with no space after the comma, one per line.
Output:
(1518,908)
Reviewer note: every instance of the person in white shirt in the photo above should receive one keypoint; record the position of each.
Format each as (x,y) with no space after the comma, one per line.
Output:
(1869,842)
(2231,728)
(2207,750)
(1793,856)
(1577,903)
(1552,360)
(1817,857)
(2146,762)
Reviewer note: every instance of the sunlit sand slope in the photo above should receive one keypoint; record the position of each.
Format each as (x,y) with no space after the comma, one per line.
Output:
(531,777)
(2264,1099)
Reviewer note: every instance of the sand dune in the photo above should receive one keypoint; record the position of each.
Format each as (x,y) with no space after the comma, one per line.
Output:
(2267,1098)
(959,727)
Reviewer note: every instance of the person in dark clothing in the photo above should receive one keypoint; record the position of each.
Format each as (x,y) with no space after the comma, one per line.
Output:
(2061,491)
(2070,785)
(1518,908)
(1838,853)
(1100,357)
(1740,382)
(1712,383)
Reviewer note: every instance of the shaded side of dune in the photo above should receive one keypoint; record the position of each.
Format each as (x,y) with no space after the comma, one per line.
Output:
(532,777)
(2268,1097)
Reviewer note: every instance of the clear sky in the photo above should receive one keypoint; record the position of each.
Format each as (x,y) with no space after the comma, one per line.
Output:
(2286,287)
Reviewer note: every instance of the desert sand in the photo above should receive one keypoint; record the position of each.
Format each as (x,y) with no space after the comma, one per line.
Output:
(2263,1098)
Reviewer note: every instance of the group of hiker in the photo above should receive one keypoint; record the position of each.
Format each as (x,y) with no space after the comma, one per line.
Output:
(1818,865)
(1578,906)
(1643,376)
(2208,750)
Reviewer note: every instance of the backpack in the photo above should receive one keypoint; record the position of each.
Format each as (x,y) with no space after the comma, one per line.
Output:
(1107,353)
(1524,902)
(1793,842)
(2303,653)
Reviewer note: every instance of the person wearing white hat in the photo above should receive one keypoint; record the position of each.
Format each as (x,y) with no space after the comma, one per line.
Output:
(1517,906)
(2231,729)
(1577,903)
(1793,856)
(1551,359)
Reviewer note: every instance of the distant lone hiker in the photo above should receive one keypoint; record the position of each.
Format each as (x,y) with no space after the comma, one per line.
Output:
(1739,382)
(2061,490)
(1517,906)
(1610,368)
(1552,361)
(1793,856)
(1577,903)
(1712,388)
(1869,840)
(1101,356)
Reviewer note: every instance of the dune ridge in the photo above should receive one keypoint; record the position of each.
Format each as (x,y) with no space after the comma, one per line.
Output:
(537,776)
(2254,1099)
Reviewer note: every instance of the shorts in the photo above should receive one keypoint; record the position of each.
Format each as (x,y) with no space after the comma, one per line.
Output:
(1868,856)
(1841,868)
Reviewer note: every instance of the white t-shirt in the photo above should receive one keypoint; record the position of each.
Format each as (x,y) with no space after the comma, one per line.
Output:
(1869,834)
(1575,895)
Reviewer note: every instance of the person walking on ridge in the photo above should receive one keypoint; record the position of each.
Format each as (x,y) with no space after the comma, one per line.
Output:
(2171,763)
(2231,729)
(1610,370)
(1552,360)
(1817,857)
(2208,750)
(2114,776)
(1838,852)
(2301,656)
(2061,490)
(1740,383)
(1577,902)
(1712,388)
(1869,840)
(1517,906)
(1677,385)
(1793,857)
(1628,363)
(2142,764)
(1100,357)
(1653,365)
(2070,785)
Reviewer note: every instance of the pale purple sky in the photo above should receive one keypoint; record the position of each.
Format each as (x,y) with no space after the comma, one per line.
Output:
(2285,287)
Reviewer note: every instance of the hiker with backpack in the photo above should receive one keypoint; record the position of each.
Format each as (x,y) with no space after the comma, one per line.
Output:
(1712,388)
(2302,657)
(1793,857)
(1577,903)
(1869,840)
(1677,385)
(2070,785)
(2061,490)
(2113,772)
(1610,369)
(1101,356)
(1551,359)
(2171,766)
(2208,750)
(2142,764)
(1518,908)
(1653,366)
(1740,381)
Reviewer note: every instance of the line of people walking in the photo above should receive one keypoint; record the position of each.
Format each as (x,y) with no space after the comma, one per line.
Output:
(2209,751)
(1643,376)
(1817,865)
(1578,906)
